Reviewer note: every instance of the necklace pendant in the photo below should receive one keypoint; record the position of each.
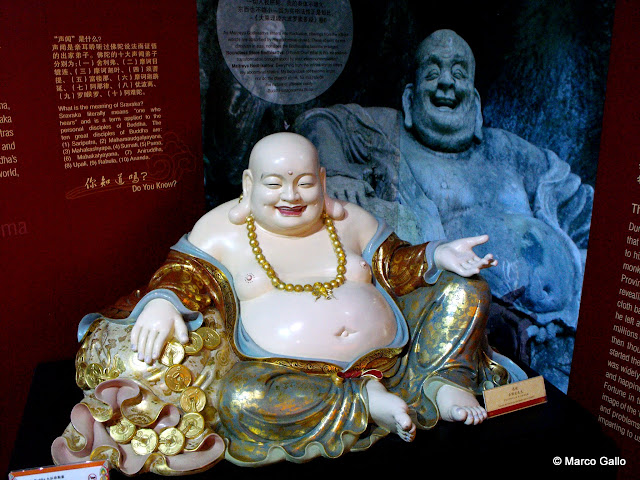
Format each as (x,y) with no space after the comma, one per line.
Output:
(320,292)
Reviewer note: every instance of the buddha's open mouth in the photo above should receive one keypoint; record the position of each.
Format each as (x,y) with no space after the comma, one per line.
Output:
(445,103)
(292,211)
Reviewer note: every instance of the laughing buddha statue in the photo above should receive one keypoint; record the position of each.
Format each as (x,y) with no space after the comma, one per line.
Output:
(287,325)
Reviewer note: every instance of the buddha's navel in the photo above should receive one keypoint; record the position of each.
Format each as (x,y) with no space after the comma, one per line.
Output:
(344,332)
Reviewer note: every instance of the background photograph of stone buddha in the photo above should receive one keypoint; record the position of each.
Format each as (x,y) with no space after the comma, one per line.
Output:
(490,125)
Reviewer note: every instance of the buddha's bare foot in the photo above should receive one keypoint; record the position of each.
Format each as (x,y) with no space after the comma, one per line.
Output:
(390,411)
(457,405)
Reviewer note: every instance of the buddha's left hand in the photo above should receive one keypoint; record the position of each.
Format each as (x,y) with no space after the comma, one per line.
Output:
(458,256)
(157,322)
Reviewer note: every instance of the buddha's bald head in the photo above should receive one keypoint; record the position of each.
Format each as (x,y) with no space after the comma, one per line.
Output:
(442,107)
(278,147)
(448,44)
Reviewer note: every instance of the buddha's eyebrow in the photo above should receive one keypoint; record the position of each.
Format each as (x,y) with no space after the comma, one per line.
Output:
(265,175)
(458,58)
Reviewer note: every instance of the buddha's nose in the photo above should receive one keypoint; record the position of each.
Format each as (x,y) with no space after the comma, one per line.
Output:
(290,194)
(446,79)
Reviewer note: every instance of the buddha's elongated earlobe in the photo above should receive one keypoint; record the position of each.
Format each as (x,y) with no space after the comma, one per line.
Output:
(477,131)
(332,207)
(238,214)
(407,99)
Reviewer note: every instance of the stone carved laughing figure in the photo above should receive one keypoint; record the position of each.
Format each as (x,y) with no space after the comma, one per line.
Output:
(286,325)
(434,172)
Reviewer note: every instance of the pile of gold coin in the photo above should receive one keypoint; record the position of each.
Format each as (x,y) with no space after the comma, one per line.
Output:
(193,401)
(171,441)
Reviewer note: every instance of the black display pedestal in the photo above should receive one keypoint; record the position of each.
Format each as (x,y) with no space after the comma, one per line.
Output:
(515,445)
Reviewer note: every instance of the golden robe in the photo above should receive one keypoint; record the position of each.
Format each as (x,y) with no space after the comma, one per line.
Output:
(262,410)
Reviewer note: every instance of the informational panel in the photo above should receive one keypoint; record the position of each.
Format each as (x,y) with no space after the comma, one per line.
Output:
(100,165)
(285,54)
(606,364)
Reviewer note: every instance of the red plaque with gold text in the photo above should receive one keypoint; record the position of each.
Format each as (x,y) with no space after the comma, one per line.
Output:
(100,165)
(605,374)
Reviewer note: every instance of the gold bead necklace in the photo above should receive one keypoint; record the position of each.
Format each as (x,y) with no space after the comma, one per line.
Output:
(318,289)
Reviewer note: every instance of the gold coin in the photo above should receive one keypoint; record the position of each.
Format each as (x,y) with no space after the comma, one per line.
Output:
(191,424)
(173,353)
(93,375)
(195,344)
(171,441)
(193,399)
(123,431)
(145,441)
(210,337)
(177,378)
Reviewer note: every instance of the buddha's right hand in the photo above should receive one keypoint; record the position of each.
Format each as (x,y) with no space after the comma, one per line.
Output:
(154,326)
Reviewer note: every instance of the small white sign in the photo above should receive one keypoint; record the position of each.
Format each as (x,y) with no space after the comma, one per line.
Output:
(514,396)
(98,470)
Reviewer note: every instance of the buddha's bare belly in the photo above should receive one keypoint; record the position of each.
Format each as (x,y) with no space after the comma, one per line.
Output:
(295,325)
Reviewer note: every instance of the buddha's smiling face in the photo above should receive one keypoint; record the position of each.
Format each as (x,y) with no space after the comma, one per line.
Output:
(285,184)
(442,101)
